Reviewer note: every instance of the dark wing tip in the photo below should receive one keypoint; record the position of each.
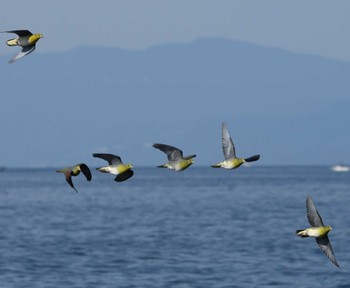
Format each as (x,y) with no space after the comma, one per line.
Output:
(124,176)
(86,171)
(110,158)
(70,182)
(163,147)
(20,32)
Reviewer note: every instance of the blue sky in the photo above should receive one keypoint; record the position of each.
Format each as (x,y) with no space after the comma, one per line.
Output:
(315,27)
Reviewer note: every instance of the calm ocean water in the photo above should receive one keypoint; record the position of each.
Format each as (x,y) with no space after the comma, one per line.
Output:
(202,227)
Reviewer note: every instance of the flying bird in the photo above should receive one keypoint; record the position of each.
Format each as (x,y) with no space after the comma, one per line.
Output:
(75,171)
(318,230)
(26,40)
(231,161)
(176,160)
(115,167)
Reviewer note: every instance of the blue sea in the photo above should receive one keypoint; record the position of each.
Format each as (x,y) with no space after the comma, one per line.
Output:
(202,227)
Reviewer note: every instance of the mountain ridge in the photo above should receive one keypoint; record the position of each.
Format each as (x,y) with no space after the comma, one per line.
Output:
(123,100)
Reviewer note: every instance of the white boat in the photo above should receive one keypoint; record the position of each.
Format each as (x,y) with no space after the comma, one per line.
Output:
(340,168)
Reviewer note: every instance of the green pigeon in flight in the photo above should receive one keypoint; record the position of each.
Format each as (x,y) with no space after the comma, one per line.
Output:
(26,40)
(231,160)
(115,166)
(176,160)
(75,171)
(318,230)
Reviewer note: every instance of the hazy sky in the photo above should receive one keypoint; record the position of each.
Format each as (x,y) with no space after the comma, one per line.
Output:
(314,27)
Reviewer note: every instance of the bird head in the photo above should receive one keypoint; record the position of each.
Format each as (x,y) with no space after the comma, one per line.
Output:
(35,37)
(328,229)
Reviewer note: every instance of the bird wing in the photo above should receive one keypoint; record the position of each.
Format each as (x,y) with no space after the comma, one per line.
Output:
(68,175)
(326,247)
(227,144)
(20,33)
(86,171)
(124,176)
(313,216)
(110,158)
(25,51)
(173,153)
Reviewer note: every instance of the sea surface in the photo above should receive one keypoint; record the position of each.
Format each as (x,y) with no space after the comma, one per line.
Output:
(202,228)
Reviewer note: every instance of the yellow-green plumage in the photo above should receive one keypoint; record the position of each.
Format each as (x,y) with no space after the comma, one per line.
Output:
(314,231)
(178,165)
(115,170)
(34,38)
(230,163)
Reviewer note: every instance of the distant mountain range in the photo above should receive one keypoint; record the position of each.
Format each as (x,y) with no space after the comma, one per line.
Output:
(59,108)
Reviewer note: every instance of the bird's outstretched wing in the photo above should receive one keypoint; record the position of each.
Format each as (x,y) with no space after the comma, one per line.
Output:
(124,176)
(110,158)
(86,171)
(172,152)
(313,216)
(20,33)
(326,247)
(68,176)
(227,144)
(25,51)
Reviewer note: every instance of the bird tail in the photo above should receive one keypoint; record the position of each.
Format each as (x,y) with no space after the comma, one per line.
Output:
(12,42)
(190,157)
(103,169)
(218,165)
(162,166)
(252,159)
(301,233)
